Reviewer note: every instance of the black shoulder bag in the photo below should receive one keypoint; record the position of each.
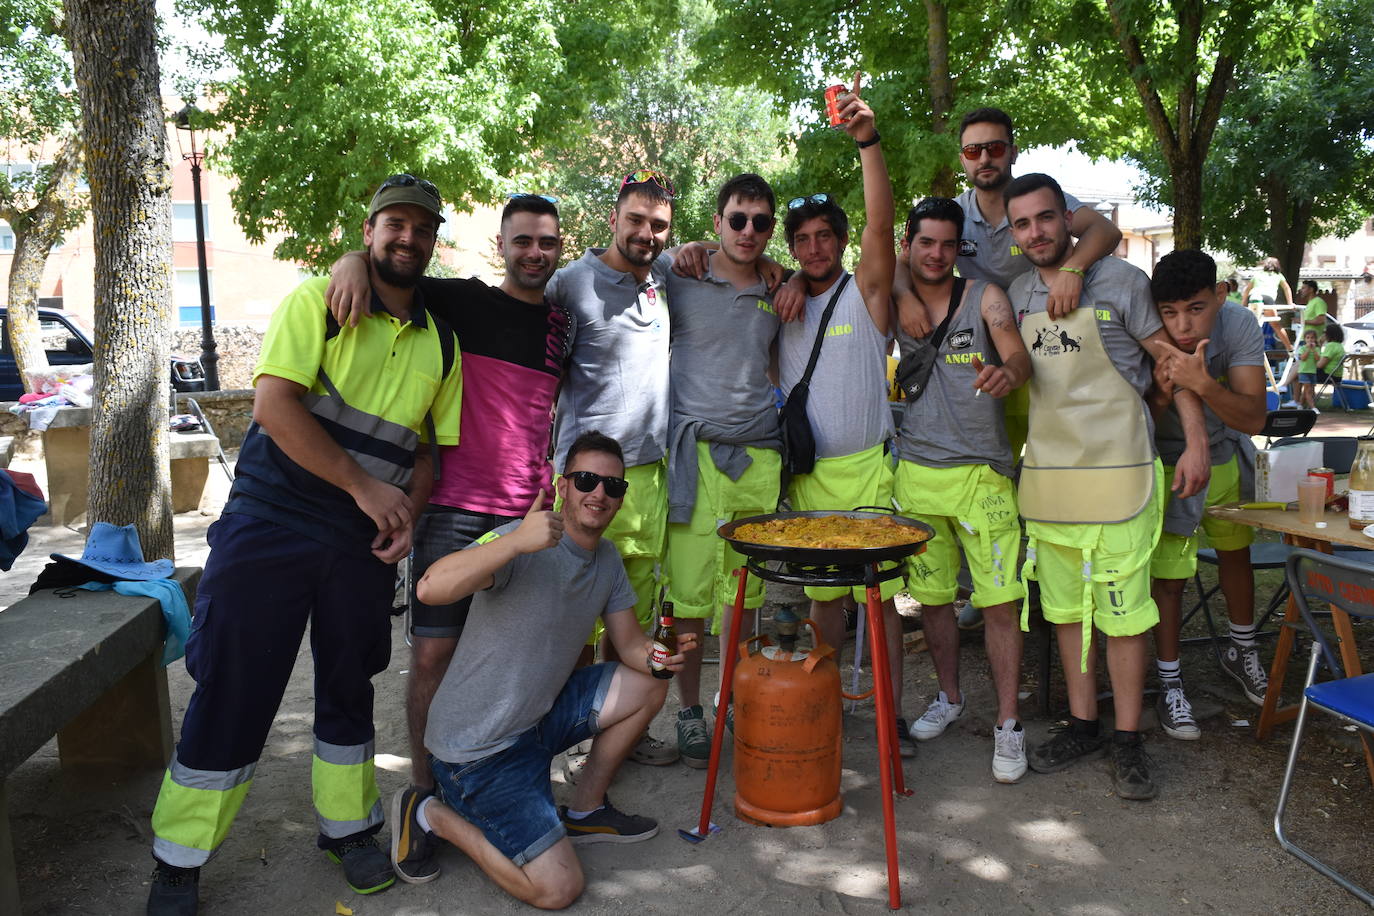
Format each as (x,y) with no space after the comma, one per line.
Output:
(798,442)
(913,372)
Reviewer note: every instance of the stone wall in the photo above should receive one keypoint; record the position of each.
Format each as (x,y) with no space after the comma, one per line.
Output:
(237,345)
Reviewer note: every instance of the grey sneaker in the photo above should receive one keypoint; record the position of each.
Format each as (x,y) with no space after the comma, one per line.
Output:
(1243,664)
(607,825)
(693,738)
(1008,751)
(970,617)
(937,717)
(1130,767)
(1065,747)
(653,753)
(1175,712)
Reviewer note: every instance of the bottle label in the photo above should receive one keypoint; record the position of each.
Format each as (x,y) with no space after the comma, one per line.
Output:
(1362,506)
(658,657)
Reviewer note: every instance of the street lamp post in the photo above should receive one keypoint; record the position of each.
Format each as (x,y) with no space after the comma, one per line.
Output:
(209,359)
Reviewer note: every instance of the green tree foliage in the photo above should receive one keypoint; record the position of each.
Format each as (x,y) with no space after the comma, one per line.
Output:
(924,67)
(38,109)
(1292,158)
(697,132)
(330,97)
(1149,77)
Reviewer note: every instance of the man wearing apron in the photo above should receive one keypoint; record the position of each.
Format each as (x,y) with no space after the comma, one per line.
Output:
(955,473)
(1091,488)
(1223,365)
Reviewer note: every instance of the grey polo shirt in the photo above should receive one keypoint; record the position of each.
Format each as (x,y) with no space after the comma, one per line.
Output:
(617,379)
(988,252)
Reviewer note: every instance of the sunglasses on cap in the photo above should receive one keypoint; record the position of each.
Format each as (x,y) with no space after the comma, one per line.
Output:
(549,197)
(586,482)
(796,202)
(654,176)
(762,221)
(996,149)
(406,181)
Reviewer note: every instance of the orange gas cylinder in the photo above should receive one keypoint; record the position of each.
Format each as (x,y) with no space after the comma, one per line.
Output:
(787,735)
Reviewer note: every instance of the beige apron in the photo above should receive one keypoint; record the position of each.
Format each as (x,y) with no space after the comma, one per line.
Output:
(1088,458)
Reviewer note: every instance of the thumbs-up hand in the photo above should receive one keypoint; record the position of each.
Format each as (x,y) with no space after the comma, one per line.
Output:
(542,527)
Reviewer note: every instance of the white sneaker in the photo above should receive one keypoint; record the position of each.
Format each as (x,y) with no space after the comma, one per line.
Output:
(936,718)
(1008,751)
(1175,712)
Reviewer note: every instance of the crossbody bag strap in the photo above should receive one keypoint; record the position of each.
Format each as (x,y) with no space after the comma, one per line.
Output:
(820,332)
(955,295)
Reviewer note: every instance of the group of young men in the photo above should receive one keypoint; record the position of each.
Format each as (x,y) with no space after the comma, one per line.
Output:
(394,410)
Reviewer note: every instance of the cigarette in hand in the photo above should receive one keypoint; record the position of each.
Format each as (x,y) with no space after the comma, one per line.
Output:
(977,367)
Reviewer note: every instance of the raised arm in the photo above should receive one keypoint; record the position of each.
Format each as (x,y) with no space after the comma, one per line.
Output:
(876,256)
(465,572)
(349,294)
(1097,238)
(1239,403)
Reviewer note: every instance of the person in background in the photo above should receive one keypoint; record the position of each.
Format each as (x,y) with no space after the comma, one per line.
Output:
(1261,294)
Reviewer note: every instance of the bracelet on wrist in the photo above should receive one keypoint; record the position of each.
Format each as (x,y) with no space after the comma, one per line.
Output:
(865,144)
(1073,270)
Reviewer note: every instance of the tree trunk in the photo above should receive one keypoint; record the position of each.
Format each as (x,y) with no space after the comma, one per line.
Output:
(114,47)
(1186,175)
(36,231)
(941,87)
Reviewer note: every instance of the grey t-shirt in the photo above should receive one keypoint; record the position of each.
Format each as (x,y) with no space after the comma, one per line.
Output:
(1119,295)
(1236,340)
(848,402)
(989,252)
(947,426)
(617,379)
(520,645)
(721,344)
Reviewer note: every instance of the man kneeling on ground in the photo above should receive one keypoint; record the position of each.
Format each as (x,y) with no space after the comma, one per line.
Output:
(511,700)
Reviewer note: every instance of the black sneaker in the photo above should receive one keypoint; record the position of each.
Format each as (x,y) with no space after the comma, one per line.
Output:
(175,891)
(366,868)
(1130,767)
(607,825)
(412,847)
(1064,748)
(906,745)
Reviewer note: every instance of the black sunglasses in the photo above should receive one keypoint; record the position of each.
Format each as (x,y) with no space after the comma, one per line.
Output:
(762,221)
(405,181)
(796,202)
(586,482)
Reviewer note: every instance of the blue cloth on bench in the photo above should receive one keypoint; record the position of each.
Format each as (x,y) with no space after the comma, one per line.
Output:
(174,609)
(18,510)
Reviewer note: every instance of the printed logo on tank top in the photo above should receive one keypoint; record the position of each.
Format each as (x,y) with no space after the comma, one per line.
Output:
(968,248)
(839,330)
(1051,341)
(960,359)
(961,341)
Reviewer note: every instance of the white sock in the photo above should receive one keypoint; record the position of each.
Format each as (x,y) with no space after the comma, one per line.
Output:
(578,815)
(1243,635)
(420,817)
(1168,671)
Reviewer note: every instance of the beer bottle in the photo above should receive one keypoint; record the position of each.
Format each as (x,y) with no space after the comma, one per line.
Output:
(665,643)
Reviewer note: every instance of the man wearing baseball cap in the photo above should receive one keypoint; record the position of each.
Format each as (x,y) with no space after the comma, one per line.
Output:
(332,473)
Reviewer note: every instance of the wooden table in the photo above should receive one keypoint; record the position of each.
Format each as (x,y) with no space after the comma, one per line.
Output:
(1302,534)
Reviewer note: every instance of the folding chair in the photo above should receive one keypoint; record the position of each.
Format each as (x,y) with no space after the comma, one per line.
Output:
(1348,588)
(1290,421)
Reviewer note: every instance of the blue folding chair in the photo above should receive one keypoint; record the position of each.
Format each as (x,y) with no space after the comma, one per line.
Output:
(1347,586)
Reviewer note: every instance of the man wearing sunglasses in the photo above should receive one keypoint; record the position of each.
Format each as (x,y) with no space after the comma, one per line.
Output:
(617,379)
(513,698)
(329,479)
(723,460)
(848,408)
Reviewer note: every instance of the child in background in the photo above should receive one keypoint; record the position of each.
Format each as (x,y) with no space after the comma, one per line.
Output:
(1306,395)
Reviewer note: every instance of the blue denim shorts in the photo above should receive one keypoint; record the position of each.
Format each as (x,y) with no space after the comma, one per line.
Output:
(439,532)
(1307,378)
(507,795)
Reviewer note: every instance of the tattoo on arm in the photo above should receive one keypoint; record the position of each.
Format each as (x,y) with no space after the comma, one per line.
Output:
(997,313)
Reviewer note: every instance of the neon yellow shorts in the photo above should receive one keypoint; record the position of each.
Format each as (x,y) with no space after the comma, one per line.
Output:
(1176,556)
(639,532)
(700,565)
(972,507)
(844,483)
(1098,572)
(1016,418)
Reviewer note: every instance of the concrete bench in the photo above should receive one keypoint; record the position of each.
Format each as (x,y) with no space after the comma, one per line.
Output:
(86,668)
(6,451)
(67,455)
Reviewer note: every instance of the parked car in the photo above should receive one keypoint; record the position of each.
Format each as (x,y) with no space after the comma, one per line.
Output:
(1359,336)
(67,343)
